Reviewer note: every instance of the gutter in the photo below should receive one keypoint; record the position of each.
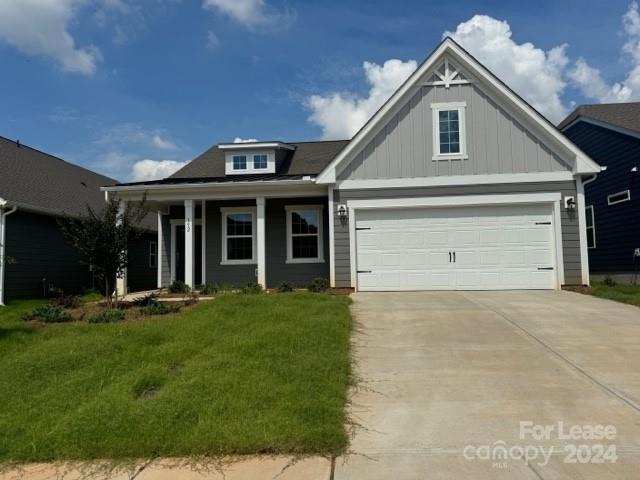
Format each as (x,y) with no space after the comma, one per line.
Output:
(221,185)
(3,230)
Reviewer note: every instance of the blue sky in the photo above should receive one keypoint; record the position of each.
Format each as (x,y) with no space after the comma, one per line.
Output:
(109,84)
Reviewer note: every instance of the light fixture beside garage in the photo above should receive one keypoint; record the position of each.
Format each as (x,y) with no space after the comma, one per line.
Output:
(570,203)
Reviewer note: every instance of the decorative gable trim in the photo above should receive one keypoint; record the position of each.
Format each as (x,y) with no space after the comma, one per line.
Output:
(583,165)
(448,74)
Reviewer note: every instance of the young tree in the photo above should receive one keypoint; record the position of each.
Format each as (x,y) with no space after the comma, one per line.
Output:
(102,238)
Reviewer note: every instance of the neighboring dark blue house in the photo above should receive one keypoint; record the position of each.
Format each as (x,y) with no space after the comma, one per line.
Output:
(35,190)
(610,135)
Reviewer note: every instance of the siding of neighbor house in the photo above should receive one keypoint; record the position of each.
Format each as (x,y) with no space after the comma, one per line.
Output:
(617,227)
(277,270)
(42,258)
(570,234)
(496,141)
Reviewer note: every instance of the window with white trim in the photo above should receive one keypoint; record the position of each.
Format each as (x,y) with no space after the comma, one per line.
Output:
(239,162)
(304,234)
(619,197)
(260,161)
(238,235)
(153,254)
(591,227)
(449,130)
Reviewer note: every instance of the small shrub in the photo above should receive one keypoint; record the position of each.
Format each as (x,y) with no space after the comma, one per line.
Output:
(609,281)
(48,314)
(318,285)
(161,308)
(111,315)
(252,288)
(285,287)
(179,287)
(66,301)
(208,289)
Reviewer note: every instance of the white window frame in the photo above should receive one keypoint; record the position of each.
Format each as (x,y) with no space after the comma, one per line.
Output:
(250,165)
(436,108)
(225,212)
(289,209)
(589,212)
(253,162)
(615,202)
(246,162)
(153,255)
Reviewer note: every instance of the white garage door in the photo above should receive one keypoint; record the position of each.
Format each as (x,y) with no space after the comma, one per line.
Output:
(456,248)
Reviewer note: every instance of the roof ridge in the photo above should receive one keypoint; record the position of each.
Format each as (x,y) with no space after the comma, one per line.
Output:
(23,145)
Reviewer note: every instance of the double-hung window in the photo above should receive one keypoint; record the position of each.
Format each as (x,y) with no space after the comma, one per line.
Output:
(238,235)
(449,130)
(239,162)
(153,254)
(304,234)
(591,227)
(260,162)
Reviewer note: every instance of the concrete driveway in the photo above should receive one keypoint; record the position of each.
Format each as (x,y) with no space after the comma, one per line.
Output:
(446,379)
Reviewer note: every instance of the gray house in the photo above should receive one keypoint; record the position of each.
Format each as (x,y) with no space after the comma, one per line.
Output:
(35,190)
(455,183)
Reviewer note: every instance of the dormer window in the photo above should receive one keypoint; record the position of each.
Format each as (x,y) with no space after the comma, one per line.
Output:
(254,157)
(239,162)
(260,162)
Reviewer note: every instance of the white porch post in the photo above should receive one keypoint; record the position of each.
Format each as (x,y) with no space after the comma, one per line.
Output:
(261,237)
(121,280)
(204,243)
(159,249)
(188,243)
(332,252)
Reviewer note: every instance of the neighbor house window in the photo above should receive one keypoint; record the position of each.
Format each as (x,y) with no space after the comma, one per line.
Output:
(239,162)
(238,235)
(259,162)
(304,234)
(619,197)
(449,130)
(591,227)
(153,254)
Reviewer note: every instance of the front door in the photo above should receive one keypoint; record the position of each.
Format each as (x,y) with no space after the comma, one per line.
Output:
(197,254)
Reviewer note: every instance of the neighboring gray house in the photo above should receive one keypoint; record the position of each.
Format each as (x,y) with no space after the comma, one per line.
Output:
(35,190)
(610,134)
(455,183)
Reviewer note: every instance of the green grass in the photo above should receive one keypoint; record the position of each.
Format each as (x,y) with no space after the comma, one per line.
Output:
(238,375)
(620,292)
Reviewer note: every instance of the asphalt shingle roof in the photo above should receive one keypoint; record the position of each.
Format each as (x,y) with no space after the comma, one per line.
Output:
(624,115)
(38,181)
(308,158)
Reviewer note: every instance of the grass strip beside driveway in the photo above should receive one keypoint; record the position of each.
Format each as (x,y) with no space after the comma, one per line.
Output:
(620,292)
(241,374)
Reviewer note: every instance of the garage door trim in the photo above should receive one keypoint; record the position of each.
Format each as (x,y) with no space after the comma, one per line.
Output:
(457,201)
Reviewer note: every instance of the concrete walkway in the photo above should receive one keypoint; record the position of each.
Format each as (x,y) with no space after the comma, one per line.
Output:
(441,372)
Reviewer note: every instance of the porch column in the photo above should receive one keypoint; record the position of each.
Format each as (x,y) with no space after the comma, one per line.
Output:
(204,241)
(121,280)
(188,243)
(261,240)
(159,254)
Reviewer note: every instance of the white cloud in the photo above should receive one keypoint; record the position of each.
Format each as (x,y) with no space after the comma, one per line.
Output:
(590,81)
(40,28)
(145,170)
(212,40)
(244,140)
(162,143)
(534,74)
(250,13)
(341,115)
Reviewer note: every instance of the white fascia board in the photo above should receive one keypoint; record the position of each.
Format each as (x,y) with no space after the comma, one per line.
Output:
(251,146)
(490,179)
(583,164)
(455,201)
(195,186)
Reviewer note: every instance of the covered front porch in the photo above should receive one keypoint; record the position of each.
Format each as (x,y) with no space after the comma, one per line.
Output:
(231,239)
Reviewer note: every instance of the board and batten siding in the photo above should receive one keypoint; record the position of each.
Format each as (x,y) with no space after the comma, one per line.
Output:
(569,220)
(496,141)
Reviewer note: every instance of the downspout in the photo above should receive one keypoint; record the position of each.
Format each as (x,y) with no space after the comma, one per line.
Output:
(3,228)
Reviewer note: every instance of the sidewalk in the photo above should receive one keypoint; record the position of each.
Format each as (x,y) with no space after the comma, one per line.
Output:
(258,468)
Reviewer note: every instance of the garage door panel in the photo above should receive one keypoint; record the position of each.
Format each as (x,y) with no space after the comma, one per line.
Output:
(497,247)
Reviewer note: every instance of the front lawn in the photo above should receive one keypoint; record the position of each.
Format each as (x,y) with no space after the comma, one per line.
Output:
(619,292)
(237,375)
